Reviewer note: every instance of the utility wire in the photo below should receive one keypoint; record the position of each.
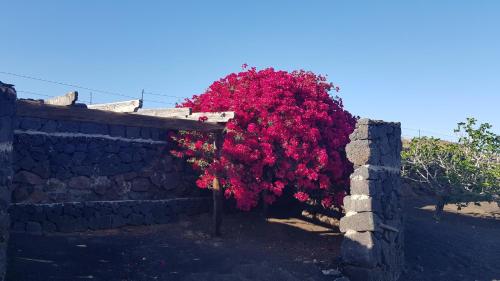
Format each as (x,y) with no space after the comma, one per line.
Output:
(162,95)
(150,93)
(91,100)
(427,131)
(163,102)
(66,84)
(33,93)
(39,94)
(84,88)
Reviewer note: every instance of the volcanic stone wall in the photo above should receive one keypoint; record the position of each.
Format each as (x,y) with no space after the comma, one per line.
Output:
(7,111)
(81,216)
(372,248)
(59,161)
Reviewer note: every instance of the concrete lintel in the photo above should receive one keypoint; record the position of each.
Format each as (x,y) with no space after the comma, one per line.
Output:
(121,106)
(67,99)
(165,112)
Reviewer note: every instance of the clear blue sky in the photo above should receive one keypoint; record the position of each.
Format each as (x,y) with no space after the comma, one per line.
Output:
(428,64)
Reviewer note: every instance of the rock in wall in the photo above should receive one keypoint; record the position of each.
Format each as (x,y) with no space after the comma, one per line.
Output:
(67,161)
(7,111)
(372,248)
(81,216)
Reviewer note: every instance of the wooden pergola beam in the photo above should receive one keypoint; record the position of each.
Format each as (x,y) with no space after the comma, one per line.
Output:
(185,113)
(27,108)
(212,117)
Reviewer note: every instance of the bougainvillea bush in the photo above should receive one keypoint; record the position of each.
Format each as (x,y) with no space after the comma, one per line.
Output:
(288,132)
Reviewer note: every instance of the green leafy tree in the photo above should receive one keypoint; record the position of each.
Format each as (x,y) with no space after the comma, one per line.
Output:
(462,172)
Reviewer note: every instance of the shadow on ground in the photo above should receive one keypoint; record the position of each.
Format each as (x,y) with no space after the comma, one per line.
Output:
(459,247)
(251,249)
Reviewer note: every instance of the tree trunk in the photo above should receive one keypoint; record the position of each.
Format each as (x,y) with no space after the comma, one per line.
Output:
(217,204)
(217,192)
(441,201)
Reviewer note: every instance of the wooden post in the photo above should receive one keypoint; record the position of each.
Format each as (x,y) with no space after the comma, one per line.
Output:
(217,192)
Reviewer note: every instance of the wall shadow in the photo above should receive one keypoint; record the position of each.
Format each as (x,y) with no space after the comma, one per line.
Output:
(273,249)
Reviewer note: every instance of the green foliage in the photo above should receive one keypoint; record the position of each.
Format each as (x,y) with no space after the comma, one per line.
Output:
(467,171)
(481,157)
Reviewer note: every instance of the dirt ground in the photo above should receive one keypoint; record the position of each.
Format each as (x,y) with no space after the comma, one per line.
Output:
(250,249)
(464,245)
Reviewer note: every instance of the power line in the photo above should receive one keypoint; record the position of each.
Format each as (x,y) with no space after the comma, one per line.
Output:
(163,102)
(179,99)
(84,88)
(163,95)
(428,131)
(39,94)
(91,98)
(156,101)
(66,84)
(33,93)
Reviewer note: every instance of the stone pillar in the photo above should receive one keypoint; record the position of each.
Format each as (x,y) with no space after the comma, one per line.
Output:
(7,114)
(372,248)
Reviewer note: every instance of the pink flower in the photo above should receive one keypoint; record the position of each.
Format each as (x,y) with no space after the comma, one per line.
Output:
(252,128)
(288,133)
(327,202)
(198,145)
(301,196)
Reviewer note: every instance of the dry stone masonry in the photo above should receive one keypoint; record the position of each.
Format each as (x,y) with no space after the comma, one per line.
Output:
(67,161)
(72,175)
(75,175)
(7,114)
(81,216)
(372,248)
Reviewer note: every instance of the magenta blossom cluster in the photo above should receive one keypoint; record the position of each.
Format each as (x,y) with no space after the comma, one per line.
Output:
(288,132)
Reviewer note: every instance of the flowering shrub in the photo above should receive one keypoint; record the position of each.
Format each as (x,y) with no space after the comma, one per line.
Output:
(287,133)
